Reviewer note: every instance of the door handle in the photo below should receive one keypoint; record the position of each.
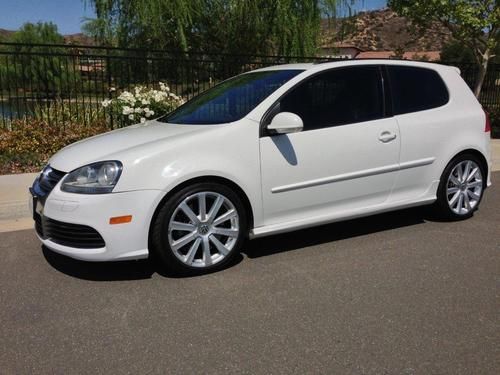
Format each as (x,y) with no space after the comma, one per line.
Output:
(386,136)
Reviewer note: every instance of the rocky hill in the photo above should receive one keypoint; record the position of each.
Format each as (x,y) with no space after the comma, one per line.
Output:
(382,30)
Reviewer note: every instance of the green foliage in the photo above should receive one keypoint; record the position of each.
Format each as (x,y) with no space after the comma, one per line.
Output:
(476,23)
(494,112)
(287,27)
(63,111)
(41,32)
(38,68)
(457,52)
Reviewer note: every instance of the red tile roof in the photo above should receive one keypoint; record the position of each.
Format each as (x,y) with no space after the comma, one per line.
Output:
(410,55)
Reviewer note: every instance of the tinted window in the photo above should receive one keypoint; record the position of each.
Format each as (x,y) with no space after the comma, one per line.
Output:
(416,89)
(232,99)
(337,97)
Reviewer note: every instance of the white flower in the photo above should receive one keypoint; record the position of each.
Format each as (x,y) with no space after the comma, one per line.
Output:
(143,120)
(106,103)
(164,87)
(127,97)
(126,110)
(138,90)
(136,103)
(112,89)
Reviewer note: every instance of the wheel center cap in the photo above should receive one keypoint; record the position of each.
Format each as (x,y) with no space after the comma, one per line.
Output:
(203,229)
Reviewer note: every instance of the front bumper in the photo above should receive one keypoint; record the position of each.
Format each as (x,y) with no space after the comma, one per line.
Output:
(121,241)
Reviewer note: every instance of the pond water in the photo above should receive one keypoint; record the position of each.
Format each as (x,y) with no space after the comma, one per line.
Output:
(13,109)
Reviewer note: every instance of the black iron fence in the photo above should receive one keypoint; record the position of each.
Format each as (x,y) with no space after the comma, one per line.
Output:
(69,82)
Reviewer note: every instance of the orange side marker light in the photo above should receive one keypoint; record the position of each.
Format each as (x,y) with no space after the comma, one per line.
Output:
(120,219)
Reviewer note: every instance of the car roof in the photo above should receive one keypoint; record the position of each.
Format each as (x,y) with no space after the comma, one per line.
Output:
(353,62)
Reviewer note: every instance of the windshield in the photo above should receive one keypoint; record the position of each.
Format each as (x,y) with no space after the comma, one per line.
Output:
(231,100)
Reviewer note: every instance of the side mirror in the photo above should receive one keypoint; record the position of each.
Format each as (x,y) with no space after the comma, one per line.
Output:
(285,122)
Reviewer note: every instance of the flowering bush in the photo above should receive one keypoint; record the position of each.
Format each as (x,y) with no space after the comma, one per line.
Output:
(143,103)
(28,145)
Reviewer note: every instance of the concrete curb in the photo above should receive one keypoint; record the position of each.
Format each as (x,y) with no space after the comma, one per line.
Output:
(14,195)
(495,155)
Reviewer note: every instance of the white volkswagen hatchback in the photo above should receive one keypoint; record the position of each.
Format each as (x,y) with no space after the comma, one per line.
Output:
(269,151)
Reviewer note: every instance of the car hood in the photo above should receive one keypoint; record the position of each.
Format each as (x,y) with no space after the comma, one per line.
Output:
(114,144)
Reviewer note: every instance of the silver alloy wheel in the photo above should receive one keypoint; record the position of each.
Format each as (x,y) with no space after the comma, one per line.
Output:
(203,229)
(464,187)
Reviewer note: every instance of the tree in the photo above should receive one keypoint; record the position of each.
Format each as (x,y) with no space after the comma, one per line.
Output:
(287,27)
(457,52)
(473,22)
(41,32)
(34,67)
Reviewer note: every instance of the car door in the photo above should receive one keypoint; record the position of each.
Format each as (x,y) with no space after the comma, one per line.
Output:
(420,99)
(346,157)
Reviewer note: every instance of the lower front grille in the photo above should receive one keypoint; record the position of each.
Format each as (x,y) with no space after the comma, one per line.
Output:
(38,224)
(66,234)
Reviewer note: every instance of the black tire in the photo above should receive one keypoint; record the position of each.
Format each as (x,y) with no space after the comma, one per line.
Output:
(160,245)
(441,206)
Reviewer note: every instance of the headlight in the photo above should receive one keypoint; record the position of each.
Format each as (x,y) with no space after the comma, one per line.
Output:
(96,178)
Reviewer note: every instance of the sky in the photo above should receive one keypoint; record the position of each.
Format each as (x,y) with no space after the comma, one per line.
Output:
(367,4)
(68,15)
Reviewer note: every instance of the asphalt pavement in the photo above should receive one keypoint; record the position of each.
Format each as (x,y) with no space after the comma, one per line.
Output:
(398,293)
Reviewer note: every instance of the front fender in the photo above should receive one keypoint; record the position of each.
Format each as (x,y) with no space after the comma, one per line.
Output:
(228,151)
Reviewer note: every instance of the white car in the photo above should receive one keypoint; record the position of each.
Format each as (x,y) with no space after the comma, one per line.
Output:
(269,151)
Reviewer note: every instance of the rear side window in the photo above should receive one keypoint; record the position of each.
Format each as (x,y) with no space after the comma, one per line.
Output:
(416,89)
(337,97)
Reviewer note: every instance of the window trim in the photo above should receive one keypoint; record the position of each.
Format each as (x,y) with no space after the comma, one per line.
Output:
(386,87)
(387,112)
(391,91)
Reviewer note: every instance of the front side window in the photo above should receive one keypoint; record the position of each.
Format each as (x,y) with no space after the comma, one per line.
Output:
(232,99)
(337,97)
(416,89)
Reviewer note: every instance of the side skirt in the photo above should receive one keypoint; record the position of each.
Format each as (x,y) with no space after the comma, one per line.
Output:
(331,218)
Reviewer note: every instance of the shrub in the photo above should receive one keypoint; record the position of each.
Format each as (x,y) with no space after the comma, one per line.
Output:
(142,104)
(30,143)
(27,144)
(61,111)
(495,120)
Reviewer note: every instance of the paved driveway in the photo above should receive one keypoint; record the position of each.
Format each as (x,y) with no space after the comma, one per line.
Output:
(396,293)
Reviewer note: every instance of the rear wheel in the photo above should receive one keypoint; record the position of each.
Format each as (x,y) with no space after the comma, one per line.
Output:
(199,229)
(461,188)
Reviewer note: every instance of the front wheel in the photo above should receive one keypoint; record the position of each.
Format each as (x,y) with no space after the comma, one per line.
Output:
(199,229)
(461,188)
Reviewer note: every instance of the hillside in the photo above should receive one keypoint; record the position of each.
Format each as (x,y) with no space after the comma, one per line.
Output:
(381,30)
(4,34)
